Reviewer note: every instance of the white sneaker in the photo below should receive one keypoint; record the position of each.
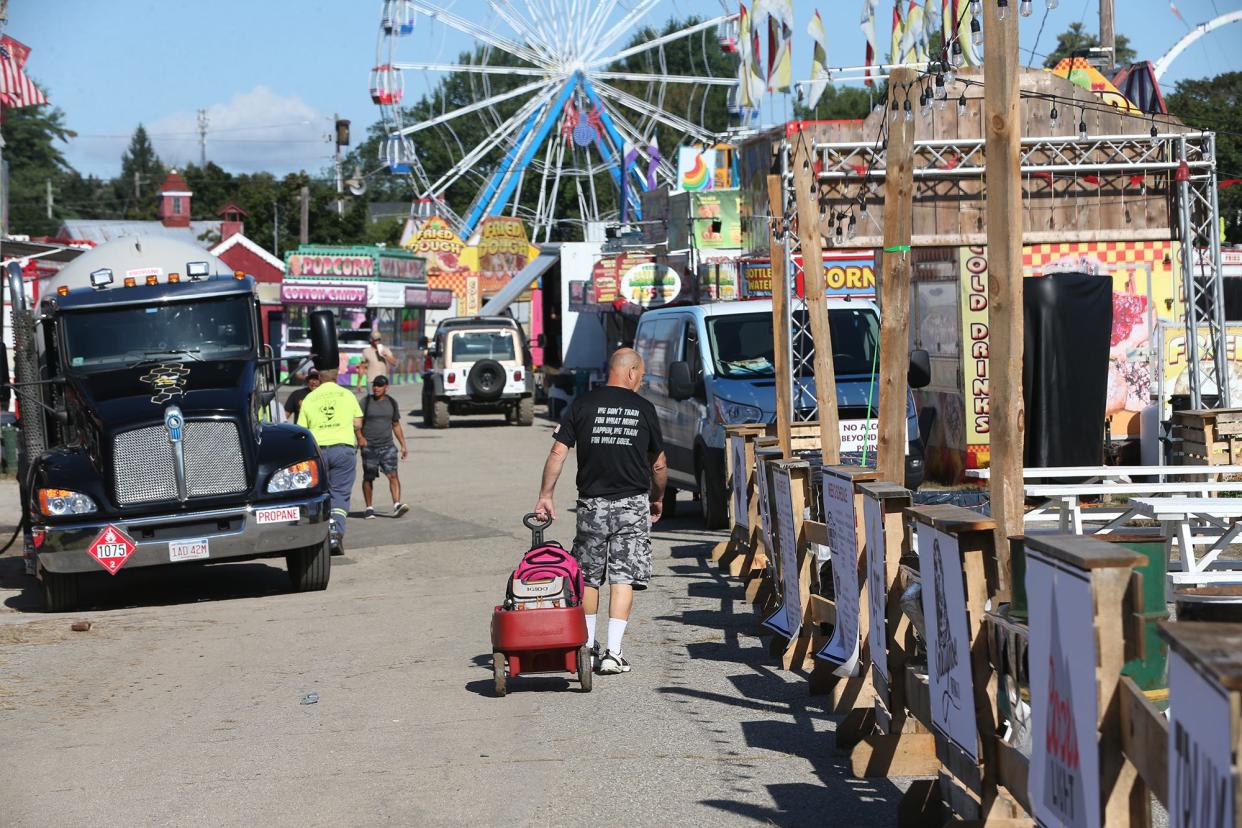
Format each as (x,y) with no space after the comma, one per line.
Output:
(612,664)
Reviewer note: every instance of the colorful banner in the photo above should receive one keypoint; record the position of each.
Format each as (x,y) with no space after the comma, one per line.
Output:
(696,169)
(650,284)
(975,373)
(329,264)
(429,298)
(437,242)
(756,279)
(709,207)
(503,245)
(718,280)
(312,294)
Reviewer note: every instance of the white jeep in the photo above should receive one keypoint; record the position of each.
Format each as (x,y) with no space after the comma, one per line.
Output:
(478,365)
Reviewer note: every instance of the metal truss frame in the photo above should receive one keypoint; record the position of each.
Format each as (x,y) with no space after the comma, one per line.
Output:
(1187,158)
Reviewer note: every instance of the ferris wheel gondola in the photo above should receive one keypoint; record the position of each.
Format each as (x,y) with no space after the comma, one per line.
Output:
(548,83)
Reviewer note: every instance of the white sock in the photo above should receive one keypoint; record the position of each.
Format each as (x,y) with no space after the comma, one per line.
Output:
(590,630)
(616,632)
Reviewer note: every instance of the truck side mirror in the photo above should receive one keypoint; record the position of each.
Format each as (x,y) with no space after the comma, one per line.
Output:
(680,381)
(323,339)
(423,342)
(541,340)
(919,373)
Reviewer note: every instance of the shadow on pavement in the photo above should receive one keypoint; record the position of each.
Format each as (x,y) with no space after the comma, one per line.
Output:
(781,717)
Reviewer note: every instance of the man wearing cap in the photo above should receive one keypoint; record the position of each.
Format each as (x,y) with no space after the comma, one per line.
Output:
(334,418)
(294,404)
(381,421)
(378,359)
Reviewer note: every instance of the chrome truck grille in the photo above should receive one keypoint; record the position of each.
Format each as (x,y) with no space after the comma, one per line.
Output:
(145,470)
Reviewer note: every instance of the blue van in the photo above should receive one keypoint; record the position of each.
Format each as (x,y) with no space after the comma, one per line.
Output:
(708,366)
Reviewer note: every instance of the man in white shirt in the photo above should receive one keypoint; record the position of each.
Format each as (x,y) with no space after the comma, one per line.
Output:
(378,359)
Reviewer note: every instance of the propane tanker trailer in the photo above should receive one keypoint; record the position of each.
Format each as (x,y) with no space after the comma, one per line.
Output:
(145,397)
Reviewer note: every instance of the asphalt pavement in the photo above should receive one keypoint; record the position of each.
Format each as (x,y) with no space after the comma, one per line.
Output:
(209,695)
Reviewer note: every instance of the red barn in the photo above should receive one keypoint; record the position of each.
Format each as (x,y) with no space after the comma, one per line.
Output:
(241,253)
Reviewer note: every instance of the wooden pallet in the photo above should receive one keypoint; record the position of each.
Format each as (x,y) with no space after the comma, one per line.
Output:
(1209,437)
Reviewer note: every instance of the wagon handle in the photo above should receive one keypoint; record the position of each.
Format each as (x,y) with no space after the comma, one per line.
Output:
(536,527)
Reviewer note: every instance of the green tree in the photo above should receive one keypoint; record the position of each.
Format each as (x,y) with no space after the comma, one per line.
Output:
(1075,40)
(142,172)
(1216,104)
(30,135)
(841,102)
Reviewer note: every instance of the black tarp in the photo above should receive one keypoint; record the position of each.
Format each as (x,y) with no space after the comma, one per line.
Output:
(1065,368)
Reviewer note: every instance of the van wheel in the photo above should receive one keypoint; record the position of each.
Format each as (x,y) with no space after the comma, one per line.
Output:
(711,499)
(440,414)
(670,503)
(310,567)
(526,411)
(60,591)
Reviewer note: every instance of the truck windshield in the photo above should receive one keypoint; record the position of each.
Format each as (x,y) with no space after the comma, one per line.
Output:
(472,346)
(108,338)
(742,344)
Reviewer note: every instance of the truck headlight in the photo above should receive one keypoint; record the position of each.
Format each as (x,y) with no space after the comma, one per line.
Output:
(61,502)
(733,413)
(304,475)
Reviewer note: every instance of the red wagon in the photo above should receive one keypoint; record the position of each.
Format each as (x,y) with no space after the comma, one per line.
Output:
(541,640)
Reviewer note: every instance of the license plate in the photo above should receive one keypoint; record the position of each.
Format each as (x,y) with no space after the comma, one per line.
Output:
(188,550)
(282,514)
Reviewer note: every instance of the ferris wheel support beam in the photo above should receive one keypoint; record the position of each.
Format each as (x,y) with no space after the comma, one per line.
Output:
(477,68)
(616,159)
(449,178)
(474,107)
(658,41)
(629,101)
(519,160)
(482,34)
(646,78)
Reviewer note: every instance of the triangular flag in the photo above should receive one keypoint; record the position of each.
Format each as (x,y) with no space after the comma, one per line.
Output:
(819,59)
(780,40)
(867,24)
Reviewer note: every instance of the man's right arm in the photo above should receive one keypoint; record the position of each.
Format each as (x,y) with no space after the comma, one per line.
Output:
(544,507)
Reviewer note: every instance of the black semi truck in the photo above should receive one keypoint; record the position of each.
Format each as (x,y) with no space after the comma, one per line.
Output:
(146,399)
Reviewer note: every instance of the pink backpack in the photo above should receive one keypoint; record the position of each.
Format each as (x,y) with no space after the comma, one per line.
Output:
(547,576)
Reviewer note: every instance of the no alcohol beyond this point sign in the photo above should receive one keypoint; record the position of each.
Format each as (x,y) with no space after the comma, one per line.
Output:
(112,548)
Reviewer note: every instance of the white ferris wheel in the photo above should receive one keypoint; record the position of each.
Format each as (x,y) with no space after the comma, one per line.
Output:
(587,106)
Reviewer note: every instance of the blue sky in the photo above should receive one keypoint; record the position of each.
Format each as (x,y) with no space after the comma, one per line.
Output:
(272,72)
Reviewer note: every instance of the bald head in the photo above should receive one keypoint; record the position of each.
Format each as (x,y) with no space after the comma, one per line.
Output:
(625,369)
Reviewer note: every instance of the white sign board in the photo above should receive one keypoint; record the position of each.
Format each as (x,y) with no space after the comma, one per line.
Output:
(948,647)
(863,435)
(877,584)
(787,619)
(1065,757)
(842,648)
(765,505)
(737,455)
(1200,756)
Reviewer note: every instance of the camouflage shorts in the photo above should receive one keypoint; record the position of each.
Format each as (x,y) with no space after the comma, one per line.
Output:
(613,544)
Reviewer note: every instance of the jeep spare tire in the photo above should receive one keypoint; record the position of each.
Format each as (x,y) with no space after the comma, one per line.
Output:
(486,381)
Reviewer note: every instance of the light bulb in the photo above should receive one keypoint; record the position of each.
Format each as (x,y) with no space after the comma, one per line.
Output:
(862,208)
(1154,132)
(851,228)
(961,106)
(909,111)
(941,103)
(950,75)
(1051,4)
(1002,9)
(941,92)
(1052,118)
(976,32)
(1025,8)
(892,114)
(976,6)
(1082,130)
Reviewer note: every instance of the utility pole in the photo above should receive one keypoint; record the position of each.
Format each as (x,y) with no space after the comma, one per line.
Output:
(895,284)
(276,229)
(1108,36)
(806,191)
(202,138)
(304,224)
(336,141)
(1002,133)
(49,198)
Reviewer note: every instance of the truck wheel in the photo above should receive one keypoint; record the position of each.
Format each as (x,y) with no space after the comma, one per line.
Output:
(440,414)
(427,409)
(310,567)
(711,499)
(60,591)
(526,411)
(670,503)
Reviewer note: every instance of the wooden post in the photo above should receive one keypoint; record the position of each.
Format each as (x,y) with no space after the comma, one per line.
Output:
(895,287)
(1002,125)
(805,195)
(780,318)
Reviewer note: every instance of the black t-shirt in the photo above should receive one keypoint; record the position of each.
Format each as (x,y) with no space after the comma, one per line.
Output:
(617,435)
(294,404)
